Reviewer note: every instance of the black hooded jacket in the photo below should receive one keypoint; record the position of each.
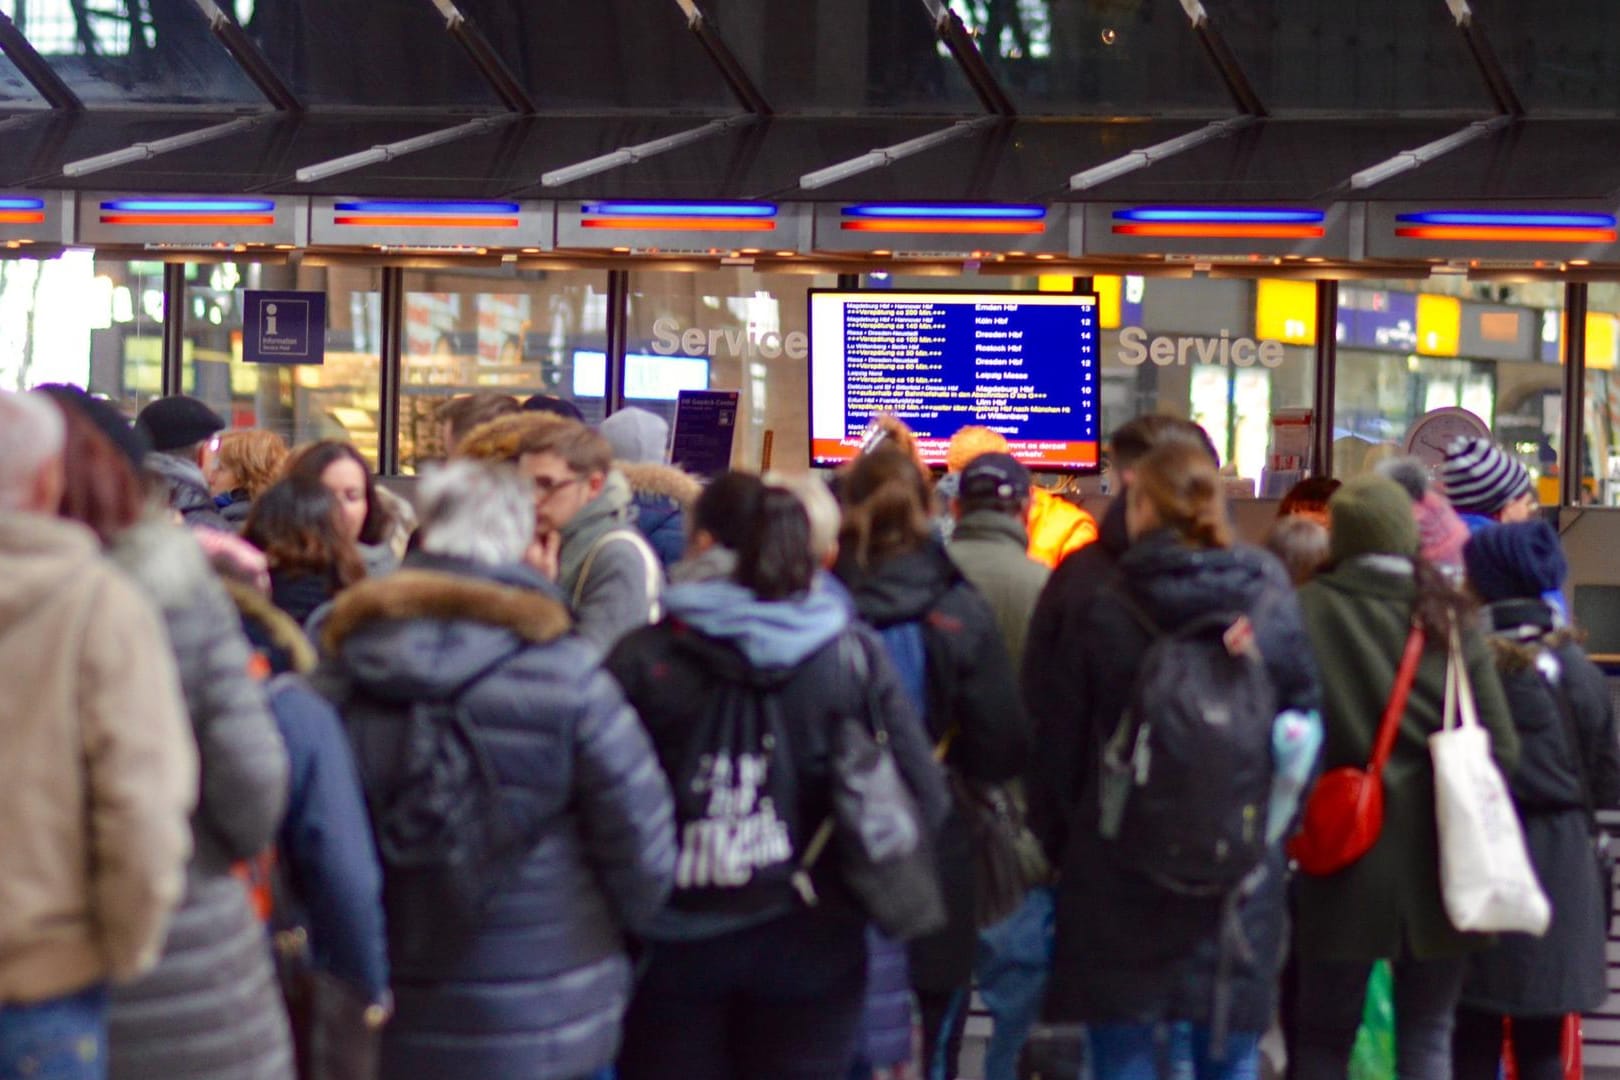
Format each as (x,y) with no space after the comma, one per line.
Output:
(972,693)
(1127,950)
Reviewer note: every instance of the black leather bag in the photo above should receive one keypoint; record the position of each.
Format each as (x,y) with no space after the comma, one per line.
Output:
(883,849)
(1007,859)
(336,1031)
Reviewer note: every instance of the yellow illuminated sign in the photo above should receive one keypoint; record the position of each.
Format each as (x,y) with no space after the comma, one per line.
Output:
(1601,341)
(1285,311)
(1439,325)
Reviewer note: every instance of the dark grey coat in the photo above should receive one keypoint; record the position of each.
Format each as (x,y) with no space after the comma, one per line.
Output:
(1565,970)
(211,1009)
(539,987)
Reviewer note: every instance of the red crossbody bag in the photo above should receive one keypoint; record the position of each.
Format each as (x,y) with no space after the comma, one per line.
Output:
(1345,811)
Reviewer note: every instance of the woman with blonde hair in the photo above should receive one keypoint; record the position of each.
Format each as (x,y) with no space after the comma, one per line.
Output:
(241,465)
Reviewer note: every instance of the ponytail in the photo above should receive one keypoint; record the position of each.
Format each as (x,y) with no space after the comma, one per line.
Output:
(1181,483)
(885,507)
(774,561)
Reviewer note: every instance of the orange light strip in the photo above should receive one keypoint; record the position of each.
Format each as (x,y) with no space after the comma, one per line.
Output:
(21,217)
(944,225)
(188,219)
(680,224)
(410,221)
(1507,232)
(1220,232)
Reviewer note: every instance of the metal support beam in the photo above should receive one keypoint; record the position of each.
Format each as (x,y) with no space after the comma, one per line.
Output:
(743,88)
(1572,435)
(1141,159)
(888,155)
(391,361)
(172,372)
(965,51)
(33,67)
(618,337)
(248,57)
(389,151)
(513,94)
(147,150)
(630,155)
(1327,369)
(1407,160)
(1490,68)
(1225,60)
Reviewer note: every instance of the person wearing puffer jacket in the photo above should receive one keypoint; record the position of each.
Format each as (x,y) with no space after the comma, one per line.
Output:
(210,1010)
(525,971)
(662,494)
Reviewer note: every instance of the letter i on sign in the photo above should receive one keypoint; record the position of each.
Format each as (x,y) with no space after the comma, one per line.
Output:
(270,320)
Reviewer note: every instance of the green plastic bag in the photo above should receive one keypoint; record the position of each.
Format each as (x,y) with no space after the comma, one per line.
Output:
(1373,1057)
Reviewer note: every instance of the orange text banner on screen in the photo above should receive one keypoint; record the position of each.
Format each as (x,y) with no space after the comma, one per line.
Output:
(1285,311)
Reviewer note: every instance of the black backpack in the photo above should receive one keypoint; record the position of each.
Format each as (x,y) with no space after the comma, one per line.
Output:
(446,842)
(1186,777)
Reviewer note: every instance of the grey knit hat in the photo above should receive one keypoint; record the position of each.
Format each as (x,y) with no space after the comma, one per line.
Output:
(1479,478)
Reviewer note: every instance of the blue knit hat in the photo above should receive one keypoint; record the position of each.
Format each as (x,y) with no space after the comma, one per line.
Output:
(1512,562)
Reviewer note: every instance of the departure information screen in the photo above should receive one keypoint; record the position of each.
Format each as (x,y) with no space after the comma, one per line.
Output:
(1022,364)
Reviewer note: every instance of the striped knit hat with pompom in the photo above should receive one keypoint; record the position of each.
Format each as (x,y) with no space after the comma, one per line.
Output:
(1480,479)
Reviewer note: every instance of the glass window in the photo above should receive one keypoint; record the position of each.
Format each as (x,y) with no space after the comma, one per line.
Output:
(1329,55)
(596,54)
(833,55)
(118,51)
(1061,56)
(335,399)
(383,54)
(712,330)
(1406,349)
(82,319)
(539,332)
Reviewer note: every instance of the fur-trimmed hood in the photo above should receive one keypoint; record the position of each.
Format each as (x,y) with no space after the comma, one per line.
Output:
(424,633)
(269,626)
(662,480)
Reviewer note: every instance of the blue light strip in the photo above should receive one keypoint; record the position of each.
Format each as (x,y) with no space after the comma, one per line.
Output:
(1529,219)
(1209,215)
(190,206)
(388,206)
(940,211)
(9,203)
(681,209)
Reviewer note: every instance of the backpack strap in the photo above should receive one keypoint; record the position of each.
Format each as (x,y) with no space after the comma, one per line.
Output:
(650,563)
(853,659)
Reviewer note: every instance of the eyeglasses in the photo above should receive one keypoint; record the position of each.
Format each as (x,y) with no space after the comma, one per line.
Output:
(545,487)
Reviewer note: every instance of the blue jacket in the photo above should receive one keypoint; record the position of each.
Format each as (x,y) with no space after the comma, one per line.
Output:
(326,846)
(661,495)
(540,985)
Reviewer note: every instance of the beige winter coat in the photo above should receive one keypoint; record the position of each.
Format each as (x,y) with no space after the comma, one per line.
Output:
(98,767)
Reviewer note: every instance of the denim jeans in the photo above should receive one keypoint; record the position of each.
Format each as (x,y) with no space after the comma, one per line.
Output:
(1332,997)
(1014,960)
(1170,1051)
(61,1039)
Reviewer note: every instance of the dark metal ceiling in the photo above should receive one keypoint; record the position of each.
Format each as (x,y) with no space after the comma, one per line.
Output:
(1335,87)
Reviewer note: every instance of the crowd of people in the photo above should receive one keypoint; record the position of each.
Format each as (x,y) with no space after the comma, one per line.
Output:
(573,766)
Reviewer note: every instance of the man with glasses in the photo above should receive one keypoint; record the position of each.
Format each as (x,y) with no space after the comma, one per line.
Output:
(586,529)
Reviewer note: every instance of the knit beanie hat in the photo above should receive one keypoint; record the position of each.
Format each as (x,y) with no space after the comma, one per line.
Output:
(636,435)
(969,443)
(1479,478)
(174,423)
(1441,533)
(1371,515)
(1513,562)
(130,440)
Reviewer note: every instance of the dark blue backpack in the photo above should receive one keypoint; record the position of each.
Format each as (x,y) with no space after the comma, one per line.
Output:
(906,648)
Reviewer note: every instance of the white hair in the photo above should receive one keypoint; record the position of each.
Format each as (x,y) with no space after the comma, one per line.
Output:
(819,506)
(476,511)
(32,434)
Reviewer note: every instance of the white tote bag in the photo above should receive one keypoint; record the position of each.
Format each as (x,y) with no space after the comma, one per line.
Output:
(1486,878)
